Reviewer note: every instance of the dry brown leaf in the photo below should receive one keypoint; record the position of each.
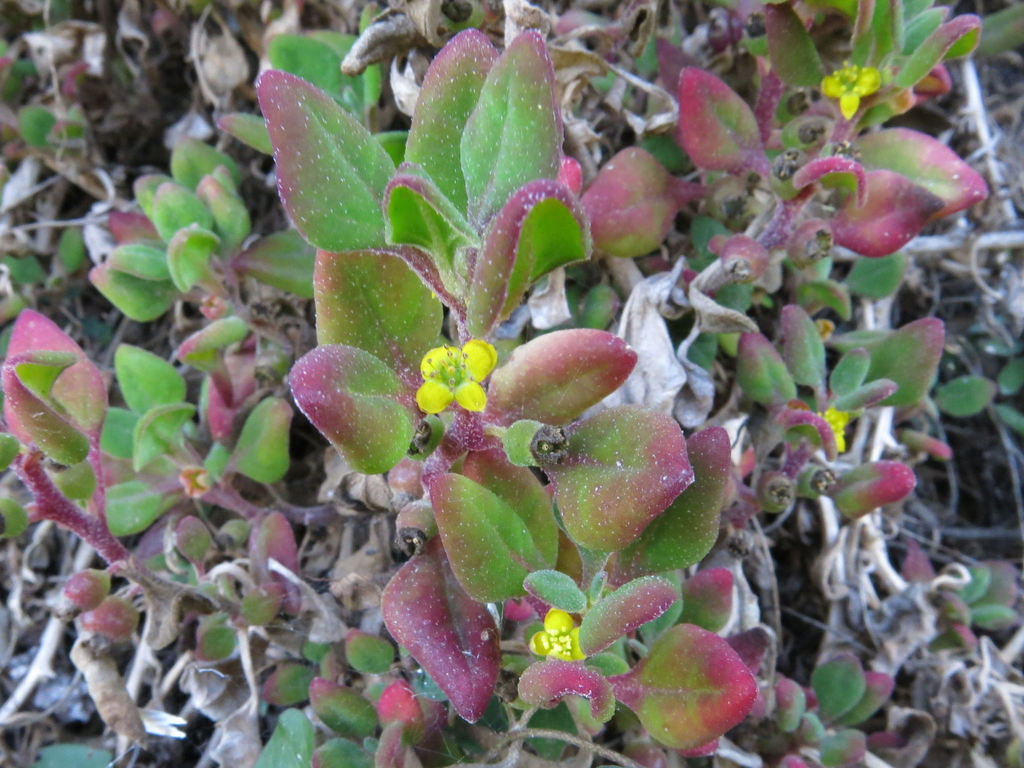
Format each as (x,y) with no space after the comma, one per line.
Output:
(390,34)
(107,689)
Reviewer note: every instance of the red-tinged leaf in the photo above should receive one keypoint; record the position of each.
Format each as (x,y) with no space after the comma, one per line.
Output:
(790,704)
(802,347)
(820,431)
(741,252)
(908,356)
(815,295)
(928,163)
(707,599)
(631,204)
(451,89)
(878,690)
(357,403)
(691,688)
(331,172)
(64,411)
(545,683)
(919,441)
(519,488)
(866,396)
(624,610)
(356,296)
(965,28)
(869,486)
(514,134)
(542,226)
(344,710)
(131,227)
(488,544)
(704,750)
(685,532)
(791,50)
(761,373)
(716,127)
(452,636)
(751,646)
(916,565)
(825,169)
(896,211)
(287,685)
(204,349)
(838,684)
(114,618)
(843,748)
(556,377)
(621,469)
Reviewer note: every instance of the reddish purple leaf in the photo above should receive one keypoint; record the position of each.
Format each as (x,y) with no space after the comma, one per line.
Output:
(707,599)
(704,750)
(790,704)
(916,565)
(821,167)
(895,212)
(716,127)
(869,486)
(452,636)
(820,429)
(690,689)
(357,403)
(131,227)
(545,683)
(761,373)
(685,532)
(928,163)
(621,469)
(752,646)
(878,690)
(632,204)
(557,376)
(624,610)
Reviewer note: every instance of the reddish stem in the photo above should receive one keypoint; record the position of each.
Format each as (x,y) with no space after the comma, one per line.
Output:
(767,102)
(51,504)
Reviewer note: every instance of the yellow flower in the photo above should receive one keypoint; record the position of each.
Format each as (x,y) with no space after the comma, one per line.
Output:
(559,639)
(838,421)
(851,84)
(450,373)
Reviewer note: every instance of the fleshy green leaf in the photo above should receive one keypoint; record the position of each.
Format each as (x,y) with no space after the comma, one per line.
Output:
(556,377)
(146,380)
(139,299)
(251,130)
(556,589)
(132,507)
(158,432)
(452,636)
(622,468)
(283,260)
(839,684)
(707,599)
(514,134)
(624,610)
(451,89)
(175,207)
(262,449)
(965,395)
(802,347)
(878,689)
(689,689)
(965,28)
(685,532)
(356,402)
(331,173)
(877,278)
(488,543)
(191,160)
(291,745)
(356,296)
(761,373)
(910,357)
(231,219)
(716,127)
(793,54)
(849,373)
(307,58)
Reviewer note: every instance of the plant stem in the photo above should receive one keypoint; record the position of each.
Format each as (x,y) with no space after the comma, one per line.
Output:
(51,504)
(569,738)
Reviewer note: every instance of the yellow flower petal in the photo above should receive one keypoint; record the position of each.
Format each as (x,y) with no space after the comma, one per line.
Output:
(848,104)
(838,421)
(470,396)
(540,643)
(869,80)
(557,622)
(432,360)
(831,87)
(576,653)
(433,396)
(480,358)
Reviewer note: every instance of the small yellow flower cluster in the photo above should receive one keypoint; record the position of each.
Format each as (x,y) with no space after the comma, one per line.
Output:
(559,639)
(450,373)
(851,84)
(838,421)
